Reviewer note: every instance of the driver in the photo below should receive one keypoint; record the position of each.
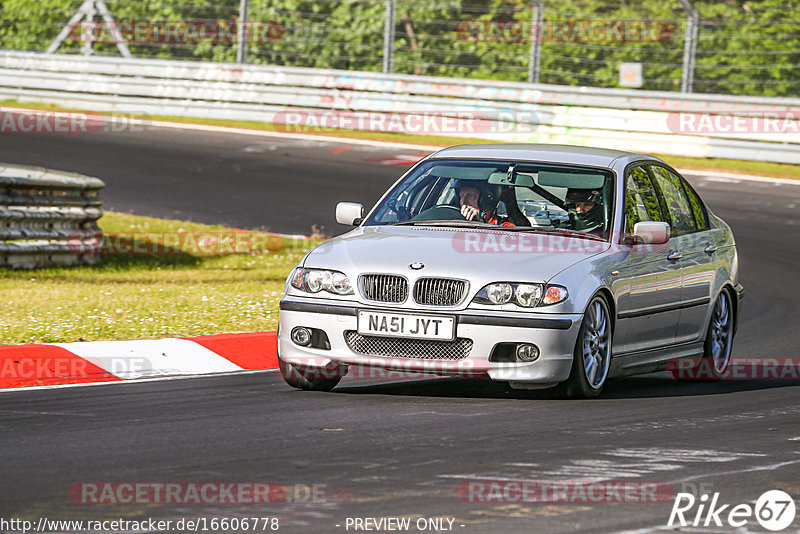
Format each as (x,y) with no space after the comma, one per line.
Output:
(471,194)
(585,208)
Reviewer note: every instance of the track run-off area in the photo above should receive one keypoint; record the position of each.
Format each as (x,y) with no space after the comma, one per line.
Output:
(383,448)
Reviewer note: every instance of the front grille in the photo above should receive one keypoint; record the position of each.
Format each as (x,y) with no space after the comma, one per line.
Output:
(397,347)
(439,291)
(384,287)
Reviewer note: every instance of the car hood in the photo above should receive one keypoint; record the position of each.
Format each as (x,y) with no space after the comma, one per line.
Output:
(481,256)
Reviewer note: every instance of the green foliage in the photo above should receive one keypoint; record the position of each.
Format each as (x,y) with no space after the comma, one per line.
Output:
(30,25)
(744,48)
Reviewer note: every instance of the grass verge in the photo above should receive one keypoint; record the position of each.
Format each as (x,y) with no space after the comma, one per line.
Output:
(150,295)
(759,168)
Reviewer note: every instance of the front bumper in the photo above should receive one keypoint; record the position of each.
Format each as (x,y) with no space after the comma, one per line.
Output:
(554,334)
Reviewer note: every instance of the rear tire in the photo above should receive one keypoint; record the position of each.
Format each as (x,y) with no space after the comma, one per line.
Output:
(592,356)
(309,379)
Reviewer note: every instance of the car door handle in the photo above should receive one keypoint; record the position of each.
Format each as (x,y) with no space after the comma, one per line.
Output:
(674,256)
(710,248)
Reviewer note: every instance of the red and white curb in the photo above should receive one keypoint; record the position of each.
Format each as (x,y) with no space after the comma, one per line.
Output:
(113,361)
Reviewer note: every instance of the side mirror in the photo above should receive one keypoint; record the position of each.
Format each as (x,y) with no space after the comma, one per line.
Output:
(349,213)
(651,233)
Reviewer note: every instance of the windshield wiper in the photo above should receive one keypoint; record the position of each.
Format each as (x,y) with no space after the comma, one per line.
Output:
(521,229)
(550,230)
(454,223)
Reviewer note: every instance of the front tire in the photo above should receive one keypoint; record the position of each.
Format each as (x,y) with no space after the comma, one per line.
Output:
(592,357)
(309,379)
(719,338)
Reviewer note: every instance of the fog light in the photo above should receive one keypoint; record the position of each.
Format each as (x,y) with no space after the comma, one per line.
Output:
(527,352)
(301,336)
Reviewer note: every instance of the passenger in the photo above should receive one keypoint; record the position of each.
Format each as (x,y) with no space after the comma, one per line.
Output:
(585,209)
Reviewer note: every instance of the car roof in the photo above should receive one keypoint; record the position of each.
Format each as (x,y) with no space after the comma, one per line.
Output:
(575,155)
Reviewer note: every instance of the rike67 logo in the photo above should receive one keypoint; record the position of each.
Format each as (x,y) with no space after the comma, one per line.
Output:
(774,510)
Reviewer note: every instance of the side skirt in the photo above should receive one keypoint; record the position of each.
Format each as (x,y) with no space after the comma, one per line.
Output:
(652,360)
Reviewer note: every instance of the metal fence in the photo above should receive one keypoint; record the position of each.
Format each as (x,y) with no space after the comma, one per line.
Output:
(47,217)
(700,46)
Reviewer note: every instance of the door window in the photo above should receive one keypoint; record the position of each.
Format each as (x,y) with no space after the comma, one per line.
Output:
(641,202)
(674,201)
(698,208)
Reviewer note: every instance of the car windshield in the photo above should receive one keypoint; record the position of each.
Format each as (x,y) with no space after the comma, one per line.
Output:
(518,196)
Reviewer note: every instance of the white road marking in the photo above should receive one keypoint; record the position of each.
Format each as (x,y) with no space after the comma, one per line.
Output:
(643,462)
(731,176)
(260,148)
(681,455)
(151,357)
(292,135)
(770,467)
(720,179)
(663,527)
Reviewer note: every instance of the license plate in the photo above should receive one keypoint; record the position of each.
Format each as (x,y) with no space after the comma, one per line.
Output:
(406,325)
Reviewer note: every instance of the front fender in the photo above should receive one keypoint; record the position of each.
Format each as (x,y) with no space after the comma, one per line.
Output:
(582,281)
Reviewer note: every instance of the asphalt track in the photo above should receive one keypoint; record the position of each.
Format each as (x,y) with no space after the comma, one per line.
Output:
(396,448)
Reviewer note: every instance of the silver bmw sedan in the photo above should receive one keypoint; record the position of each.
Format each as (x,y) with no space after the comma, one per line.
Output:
(537,265)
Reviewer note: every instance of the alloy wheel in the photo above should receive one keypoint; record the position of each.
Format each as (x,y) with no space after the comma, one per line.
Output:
(596,343)
(721,332)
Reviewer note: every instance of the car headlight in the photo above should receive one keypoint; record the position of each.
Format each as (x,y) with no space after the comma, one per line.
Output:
(340,284)
(528,295)
(316,280)
(499,293)
(525,295)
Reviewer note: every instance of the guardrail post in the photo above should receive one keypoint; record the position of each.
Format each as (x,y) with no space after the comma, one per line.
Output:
(689,45)
(388,37)
(241,33)
(536,41)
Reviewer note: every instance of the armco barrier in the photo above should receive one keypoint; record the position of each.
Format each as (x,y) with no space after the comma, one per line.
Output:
(46,216)
(510,111)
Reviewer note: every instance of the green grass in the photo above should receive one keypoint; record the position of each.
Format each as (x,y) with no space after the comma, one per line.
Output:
(760,168)
(183,293)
